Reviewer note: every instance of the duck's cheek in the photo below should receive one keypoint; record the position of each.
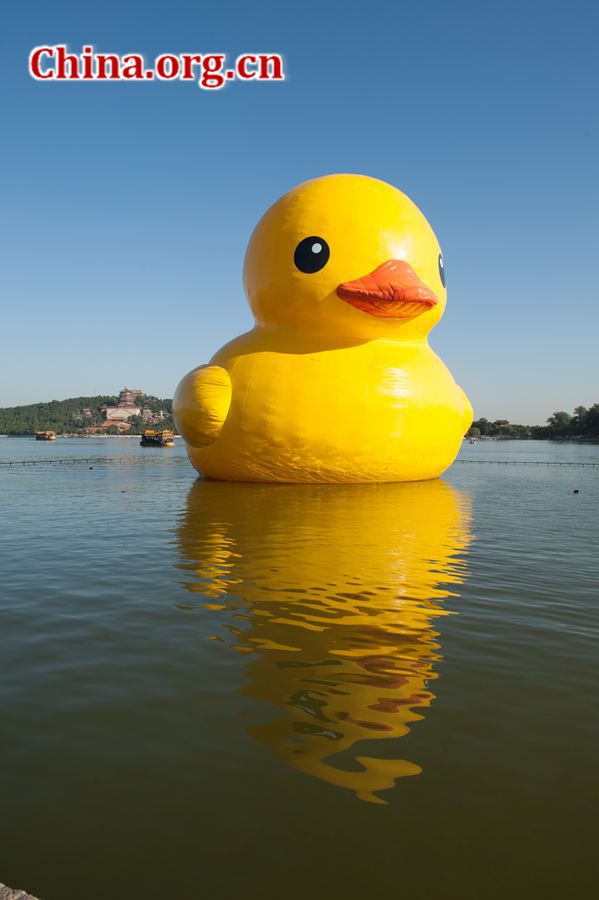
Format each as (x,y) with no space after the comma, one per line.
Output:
(310,289)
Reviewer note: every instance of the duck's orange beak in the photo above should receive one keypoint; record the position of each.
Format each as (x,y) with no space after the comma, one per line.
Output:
(393,290)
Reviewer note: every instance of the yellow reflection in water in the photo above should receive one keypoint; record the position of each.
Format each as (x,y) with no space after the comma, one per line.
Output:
(333,590)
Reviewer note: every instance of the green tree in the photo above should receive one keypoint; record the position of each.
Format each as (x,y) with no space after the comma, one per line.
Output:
(578,423)
(591,421)
(560,424)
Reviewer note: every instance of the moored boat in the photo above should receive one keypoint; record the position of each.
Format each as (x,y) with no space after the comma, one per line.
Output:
(157,438)
(45,435)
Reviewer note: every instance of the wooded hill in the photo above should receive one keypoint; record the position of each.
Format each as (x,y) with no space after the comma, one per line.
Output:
(67,416)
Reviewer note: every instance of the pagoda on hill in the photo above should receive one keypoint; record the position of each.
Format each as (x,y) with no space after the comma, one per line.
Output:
(125,408)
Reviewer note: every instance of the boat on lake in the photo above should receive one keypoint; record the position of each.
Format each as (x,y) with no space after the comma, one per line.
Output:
(45,435)
(157,438)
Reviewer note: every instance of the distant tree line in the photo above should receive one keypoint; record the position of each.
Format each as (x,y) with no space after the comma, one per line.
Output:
(582,424)
(67,416)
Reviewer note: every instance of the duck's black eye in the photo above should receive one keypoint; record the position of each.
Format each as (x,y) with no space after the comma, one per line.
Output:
(441,270)
(311,254)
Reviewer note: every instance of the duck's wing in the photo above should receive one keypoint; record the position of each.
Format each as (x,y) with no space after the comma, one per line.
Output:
(201,404)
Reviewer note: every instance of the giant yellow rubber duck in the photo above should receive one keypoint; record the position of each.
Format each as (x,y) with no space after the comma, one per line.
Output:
(336,382)
(335,595)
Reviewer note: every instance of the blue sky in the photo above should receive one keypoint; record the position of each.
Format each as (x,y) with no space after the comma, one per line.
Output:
(127,207)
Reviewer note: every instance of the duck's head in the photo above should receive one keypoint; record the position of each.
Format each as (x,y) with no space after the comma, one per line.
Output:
(349,257)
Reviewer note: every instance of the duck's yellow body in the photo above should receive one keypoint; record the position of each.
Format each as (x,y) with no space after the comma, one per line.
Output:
(337,382)
(373,412)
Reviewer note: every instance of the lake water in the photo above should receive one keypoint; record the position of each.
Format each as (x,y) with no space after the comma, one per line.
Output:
(298,691)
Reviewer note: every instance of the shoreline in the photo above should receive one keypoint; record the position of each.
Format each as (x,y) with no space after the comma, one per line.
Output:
(7,893)
(486,437)
(85,436)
